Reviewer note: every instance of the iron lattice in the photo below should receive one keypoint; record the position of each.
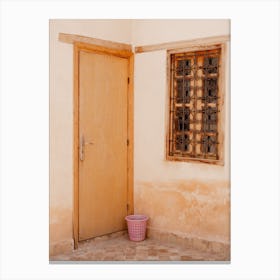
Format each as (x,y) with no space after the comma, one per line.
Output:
(194,104)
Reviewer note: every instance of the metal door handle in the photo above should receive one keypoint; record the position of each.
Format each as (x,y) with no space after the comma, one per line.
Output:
(82,147)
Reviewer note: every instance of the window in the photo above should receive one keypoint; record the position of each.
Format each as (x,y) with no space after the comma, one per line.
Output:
(196,99)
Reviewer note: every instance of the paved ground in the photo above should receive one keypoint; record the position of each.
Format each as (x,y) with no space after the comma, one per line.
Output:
(118,247)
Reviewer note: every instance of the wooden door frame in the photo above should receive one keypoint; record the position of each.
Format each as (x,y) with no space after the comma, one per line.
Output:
(124,53)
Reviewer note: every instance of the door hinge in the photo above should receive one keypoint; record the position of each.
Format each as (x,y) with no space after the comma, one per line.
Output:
(127,142)
(128,80)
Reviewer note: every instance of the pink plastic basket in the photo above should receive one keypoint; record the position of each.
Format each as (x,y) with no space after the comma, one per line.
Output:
(136,227)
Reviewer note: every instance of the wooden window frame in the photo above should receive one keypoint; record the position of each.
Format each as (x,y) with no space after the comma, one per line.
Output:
(221,103)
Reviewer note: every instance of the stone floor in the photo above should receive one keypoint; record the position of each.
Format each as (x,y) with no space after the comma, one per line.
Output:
(118,247)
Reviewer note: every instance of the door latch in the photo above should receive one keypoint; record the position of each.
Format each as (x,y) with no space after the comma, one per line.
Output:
(82,144)
(82,147)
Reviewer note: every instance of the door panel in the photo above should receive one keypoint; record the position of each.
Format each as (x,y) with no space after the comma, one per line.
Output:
(103,127)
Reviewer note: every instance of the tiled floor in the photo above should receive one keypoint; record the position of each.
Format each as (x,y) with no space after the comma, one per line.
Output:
(118,247)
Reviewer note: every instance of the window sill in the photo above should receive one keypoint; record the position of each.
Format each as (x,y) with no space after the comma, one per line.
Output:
(195,160)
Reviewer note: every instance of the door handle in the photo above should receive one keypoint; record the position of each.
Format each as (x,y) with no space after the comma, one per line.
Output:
(82,147)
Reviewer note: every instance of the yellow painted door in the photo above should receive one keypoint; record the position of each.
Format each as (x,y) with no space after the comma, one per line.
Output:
(103,87)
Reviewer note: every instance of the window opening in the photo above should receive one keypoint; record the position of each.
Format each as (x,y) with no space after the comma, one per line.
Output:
(194,105)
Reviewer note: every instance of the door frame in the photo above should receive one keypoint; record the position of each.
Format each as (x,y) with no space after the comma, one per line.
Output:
(81,46)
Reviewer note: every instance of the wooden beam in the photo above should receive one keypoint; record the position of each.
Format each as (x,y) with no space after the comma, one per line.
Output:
(183,44)
(76,147)
(102,49)
(130,124)
(72,38)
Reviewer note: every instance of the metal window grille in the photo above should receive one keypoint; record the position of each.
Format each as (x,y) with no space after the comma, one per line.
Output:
(194,105)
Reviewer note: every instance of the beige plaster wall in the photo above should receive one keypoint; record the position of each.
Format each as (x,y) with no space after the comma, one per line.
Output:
(189,199)
(61,119)
(147,32)
(183,198)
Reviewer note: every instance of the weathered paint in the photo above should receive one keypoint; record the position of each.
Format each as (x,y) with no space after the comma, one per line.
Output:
(187,199)
(60,227)
(61,119)
(187,208)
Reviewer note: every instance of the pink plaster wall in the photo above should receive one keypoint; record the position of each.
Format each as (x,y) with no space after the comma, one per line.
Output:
(61,119)
(188,199)
(193,197)
(188,208)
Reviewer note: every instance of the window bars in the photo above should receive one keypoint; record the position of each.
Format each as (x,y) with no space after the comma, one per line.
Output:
(194,105)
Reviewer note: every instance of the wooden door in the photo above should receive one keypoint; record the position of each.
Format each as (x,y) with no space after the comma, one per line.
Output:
(103,143)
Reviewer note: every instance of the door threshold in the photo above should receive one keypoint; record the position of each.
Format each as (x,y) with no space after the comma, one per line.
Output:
(104,237)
